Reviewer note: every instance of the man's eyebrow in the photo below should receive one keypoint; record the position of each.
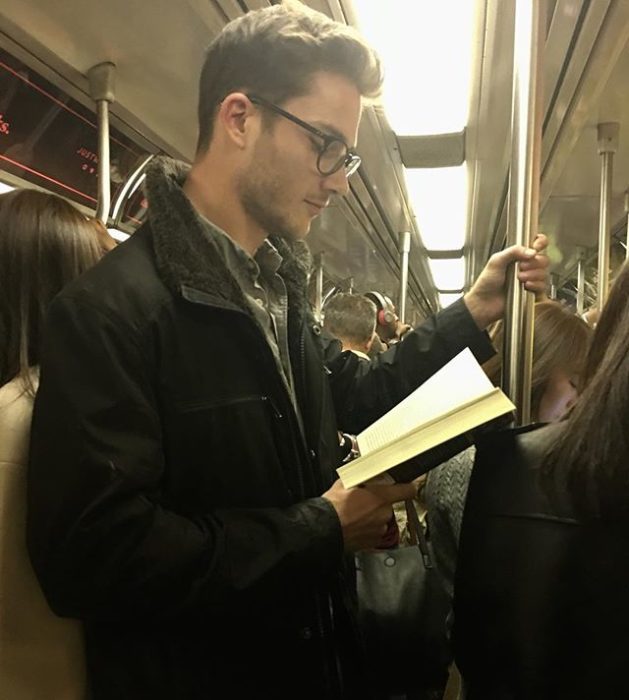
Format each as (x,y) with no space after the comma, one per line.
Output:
(329,129)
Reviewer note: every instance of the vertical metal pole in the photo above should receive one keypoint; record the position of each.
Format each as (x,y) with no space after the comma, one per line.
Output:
(581,283)
(104,193)
(319,287)
(101,79)
(405,249)
(553,287)
(607,146)
(522,217)
(627,215)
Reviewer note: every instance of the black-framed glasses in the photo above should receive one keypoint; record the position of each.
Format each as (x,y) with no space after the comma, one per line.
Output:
(334,153)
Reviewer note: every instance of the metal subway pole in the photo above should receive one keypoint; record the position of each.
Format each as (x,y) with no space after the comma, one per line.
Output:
(553,287)
(405,249)
(627,215)
(133,181)
(319,287)
(607,146)
(522,216)
(101,79)
(581,282)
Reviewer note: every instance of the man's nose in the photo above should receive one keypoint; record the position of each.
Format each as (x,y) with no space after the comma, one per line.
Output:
(336,183)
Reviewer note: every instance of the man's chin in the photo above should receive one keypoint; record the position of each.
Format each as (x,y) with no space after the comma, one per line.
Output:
(294,233)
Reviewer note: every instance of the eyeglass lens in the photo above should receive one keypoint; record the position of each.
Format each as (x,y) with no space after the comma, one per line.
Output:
(335,156)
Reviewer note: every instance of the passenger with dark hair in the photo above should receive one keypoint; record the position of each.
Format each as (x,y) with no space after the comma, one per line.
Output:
(541,599)
(352,319)
(44,244)
(183,500)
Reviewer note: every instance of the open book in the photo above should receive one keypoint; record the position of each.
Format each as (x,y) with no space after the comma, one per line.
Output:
(455,400)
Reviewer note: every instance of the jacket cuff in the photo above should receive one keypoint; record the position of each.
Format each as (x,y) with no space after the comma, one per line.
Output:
(319,518)
(457,315)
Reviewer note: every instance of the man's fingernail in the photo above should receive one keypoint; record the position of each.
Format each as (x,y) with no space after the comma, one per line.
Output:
(530,251)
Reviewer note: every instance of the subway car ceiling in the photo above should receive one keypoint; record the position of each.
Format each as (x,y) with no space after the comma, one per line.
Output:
(158,53)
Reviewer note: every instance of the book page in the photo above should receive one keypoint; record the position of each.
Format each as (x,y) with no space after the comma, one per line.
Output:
(459,381)
(462,419)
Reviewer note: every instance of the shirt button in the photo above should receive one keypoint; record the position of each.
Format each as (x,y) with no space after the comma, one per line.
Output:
(305,633)
(260,302)
(313,454)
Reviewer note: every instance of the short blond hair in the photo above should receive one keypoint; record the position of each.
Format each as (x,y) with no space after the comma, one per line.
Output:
(350,318)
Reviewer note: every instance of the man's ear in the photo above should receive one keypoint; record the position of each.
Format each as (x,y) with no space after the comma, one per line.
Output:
(237,116)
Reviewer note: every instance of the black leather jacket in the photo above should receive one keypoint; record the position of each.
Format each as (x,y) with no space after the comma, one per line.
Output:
(540,603)
(174,502)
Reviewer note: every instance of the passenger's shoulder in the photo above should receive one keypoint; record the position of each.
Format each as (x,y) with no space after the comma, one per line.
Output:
(16,407)
(123,284)
(533,443)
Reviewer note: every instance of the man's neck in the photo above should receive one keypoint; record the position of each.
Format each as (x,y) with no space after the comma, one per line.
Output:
(358,349)
(217,202)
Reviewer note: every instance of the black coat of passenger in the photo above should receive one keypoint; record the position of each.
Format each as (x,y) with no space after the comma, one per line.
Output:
(174,502)
(541,602)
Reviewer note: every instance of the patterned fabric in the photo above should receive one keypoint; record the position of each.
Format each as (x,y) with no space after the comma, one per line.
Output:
(445,494)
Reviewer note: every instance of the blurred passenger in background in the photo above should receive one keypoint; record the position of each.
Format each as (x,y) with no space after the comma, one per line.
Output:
(560,346)
(352,319)
(377,346)
(389,327)
(44,244)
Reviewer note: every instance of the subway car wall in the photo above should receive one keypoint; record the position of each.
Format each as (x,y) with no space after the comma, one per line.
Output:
(50,140)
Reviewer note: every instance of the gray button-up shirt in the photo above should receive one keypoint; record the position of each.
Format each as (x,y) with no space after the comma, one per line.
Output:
(265,292)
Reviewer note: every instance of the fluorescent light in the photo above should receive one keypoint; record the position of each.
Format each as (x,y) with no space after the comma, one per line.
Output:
(447,299)
(118,235)
(439,200)
(5,188)
(448,273)
(426,49)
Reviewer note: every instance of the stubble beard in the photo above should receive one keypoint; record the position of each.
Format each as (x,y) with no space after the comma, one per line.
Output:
(261,198)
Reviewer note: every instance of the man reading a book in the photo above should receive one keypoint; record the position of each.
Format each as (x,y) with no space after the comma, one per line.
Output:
(182,493)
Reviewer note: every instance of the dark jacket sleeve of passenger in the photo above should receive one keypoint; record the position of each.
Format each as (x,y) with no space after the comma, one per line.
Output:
(101,539)
(363,392)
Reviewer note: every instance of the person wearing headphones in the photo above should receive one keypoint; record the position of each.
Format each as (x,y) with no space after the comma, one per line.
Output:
(390,329)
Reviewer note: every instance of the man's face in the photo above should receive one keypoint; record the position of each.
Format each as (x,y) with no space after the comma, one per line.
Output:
(281,188)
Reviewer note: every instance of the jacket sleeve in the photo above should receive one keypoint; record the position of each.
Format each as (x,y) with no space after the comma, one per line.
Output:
(362,392)
(101,538)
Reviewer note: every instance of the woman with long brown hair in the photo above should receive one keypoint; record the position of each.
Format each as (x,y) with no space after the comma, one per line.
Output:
(44,244)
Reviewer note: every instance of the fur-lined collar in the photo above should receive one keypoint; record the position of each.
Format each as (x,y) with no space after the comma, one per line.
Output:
(187,258)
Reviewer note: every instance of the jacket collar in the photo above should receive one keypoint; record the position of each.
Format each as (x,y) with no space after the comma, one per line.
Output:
(189,262)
